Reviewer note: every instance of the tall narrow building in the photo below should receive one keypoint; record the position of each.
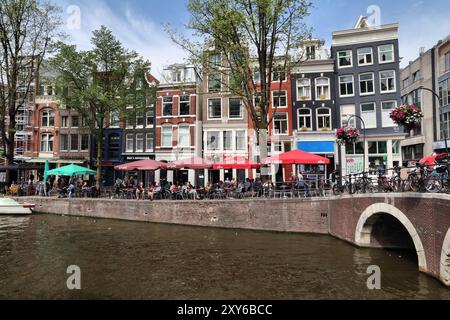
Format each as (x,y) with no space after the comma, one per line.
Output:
(368,86)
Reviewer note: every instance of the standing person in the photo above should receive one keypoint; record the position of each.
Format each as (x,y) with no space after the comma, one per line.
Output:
(333,178)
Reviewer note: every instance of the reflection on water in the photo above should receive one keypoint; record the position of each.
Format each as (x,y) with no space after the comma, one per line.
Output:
(144,261)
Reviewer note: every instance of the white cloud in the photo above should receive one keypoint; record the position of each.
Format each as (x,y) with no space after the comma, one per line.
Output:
(135,31)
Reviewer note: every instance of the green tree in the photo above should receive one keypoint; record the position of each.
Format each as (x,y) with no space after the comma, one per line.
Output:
(28,31)
(255,37)
(106,81)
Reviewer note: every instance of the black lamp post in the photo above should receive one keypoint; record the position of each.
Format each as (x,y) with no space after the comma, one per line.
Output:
(441,116)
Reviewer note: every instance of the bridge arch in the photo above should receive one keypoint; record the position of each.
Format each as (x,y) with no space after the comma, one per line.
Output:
(445,260)
(367,220)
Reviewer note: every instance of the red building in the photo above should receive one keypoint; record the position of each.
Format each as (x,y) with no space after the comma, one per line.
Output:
(178,135)
(281,127)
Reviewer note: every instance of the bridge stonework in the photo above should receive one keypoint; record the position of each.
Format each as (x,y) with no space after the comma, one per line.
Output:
(369,220)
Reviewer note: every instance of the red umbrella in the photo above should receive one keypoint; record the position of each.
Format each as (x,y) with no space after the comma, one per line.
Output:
(142,165)
(238,163)
(431,160)
(195,163)
(296,157)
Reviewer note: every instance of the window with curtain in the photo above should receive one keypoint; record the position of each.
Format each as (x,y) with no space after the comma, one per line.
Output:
(184,135)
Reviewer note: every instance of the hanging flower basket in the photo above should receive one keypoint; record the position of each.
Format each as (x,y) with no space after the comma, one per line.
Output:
(409,117)
(347,135)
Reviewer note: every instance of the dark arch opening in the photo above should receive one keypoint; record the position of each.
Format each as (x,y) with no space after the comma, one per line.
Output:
(389,233)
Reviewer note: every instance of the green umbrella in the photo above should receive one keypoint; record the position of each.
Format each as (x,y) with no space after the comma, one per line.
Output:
(71,170)
(46,170)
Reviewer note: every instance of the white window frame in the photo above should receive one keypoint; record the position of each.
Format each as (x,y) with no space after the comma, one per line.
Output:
(383,113)
(304,88)
(184,126)
(71,121)
(305,116)
(167,103)
(353,85)
(344,116)
(142,139)
(373,84)
(221,109)
(143,121)
(129,138)
(149,137)
(324,116)
(218,142)
(231,140)
(170,144)
(287,124)
(318,86)
(279,98)
(374,112)
(115,115)
(220,82)
(179,105)
(395,82)
(244,148)
(380,53)
(365,57)
(339,60)
(147,124)
(241,110)
(46,113)
(50,136)
(279,70)
(65,125)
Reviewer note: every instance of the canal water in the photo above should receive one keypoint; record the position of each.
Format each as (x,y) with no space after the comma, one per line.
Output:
(126,260)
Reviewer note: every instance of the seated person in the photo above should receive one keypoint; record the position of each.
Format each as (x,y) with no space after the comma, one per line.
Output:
(140,191)
(152,190)
(71,190)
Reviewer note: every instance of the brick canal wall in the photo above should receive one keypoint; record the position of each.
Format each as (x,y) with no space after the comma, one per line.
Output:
(303,216)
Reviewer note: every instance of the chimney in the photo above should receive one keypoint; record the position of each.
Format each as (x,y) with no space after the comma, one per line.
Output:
(422,51)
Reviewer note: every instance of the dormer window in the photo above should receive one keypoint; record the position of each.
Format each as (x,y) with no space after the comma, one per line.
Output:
(176,76)
(311,52)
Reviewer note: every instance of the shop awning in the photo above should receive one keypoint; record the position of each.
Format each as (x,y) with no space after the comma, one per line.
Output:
(317,147)
(296,157)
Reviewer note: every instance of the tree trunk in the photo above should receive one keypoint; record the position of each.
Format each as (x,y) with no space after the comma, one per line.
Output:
(99,159)
(10,143)
(262,142)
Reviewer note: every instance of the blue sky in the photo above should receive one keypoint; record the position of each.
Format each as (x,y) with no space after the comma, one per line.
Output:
(139,23)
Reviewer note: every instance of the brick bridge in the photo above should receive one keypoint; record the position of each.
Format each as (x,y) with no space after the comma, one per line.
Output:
(414,221)
(409,221)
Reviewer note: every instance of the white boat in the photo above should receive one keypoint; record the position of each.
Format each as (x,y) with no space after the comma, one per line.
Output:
(11,207)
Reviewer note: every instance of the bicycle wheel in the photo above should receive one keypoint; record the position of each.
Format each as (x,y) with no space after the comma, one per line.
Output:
(397,184)
(434,184)
(336,190)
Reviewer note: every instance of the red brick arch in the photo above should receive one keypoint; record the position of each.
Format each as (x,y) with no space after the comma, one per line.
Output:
(363,231)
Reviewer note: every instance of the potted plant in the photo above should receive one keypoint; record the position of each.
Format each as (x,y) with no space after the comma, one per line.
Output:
(347,135)
(408,116)
(303,98)
(304,129)
(323,97)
